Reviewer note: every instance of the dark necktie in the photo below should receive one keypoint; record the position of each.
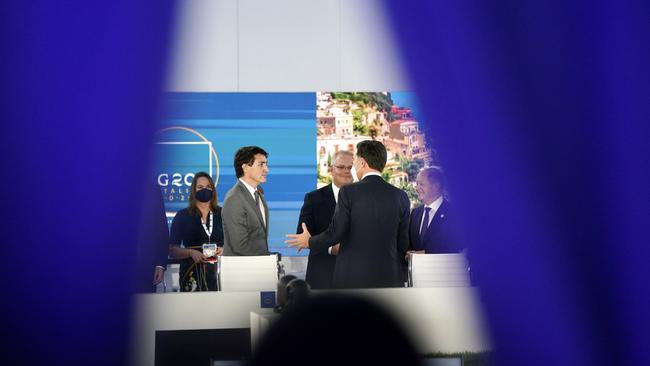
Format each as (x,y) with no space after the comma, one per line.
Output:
(257,202)
(425,223)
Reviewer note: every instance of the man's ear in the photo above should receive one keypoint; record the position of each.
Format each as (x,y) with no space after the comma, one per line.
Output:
(362,163)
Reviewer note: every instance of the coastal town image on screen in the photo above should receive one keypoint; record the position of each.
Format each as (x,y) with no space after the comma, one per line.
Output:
(346,118)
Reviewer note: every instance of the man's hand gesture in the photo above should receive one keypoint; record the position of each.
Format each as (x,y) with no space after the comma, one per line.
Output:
(299,241)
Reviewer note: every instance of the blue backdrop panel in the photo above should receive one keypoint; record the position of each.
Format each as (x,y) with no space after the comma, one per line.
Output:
(283,124)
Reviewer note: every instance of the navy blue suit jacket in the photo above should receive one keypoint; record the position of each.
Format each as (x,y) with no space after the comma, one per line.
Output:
(442,234)
(152,240)
(371,222)
(316,212)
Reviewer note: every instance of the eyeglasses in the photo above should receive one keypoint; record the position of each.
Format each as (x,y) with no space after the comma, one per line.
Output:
(342,167)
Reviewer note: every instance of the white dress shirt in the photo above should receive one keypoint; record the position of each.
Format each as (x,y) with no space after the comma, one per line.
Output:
(435,205)
(336,190)
(252,190)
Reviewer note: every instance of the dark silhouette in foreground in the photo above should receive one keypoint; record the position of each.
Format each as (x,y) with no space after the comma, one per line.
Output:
(335,329)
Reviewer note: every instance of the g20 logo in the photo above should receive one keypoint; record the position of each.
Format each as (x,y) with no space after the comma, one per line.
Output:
(190,150)
(175,187)
(176,179)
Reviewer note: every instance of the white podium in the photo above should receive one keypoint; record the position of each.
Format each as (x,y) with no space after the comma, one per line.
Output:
(260,323)
(446,319)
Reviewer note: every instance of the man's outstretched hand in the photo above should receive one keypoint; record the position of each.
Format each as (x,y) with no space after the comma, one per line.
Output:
(299,241)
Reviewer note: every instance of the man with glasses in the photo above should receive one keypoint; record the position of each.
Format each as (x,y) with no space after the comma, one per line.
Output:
(316,212)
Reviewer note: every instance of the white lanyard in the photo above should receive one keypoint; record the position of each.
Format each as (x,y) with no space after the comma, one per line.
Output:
(205,228)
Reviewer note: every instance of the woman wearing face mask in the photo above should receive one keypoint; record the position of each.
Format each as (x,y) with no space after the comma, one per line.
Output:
(198,224)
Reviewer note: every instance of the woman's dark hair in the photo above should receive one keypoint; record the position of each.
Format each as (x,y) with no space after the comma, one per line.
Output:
(246,155)
(374,153)
(214,202)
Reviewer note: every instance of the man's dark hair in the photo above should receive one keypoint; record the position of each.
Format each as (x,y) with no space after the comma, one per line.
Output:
(374,153)
(246,155)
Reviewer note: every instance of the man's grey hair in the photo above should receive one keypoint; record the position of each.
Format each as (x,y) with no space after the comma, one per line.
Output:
(342,152)
(434,174)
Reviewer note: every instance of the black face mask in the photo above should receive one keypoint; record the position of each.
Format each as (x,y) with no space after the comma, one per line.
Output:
(204,195)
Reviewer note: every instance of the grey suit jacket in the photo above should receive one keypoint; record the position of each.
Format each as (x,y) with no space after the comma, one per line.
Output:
(243,231)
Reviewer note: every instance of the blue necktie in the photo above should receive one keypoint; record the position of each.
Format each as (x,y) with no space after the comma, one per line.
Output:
(425,223)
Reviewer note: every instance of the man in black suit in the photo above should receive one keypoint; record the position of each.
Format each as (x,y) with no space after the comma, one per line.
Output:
(152,241)
(317,212)
(433,228)
(371,223)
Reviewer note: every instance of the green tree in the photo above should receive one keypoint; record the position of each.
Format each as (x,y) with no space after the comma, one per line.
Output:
(411,167)
(412,170)
(357,115)
(379,101)
(360,129)
(324,179)
(410,192)
(403,163)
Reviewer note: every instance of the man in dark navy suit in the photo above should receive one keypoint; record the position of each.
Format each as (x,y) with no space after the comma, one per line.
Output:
(317,212)
(152,241)
(433,228)
(371,223)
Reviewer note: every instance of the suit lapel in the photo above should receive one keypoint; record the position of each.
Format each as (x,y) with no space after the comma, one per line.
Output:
(266,214)
(417,220)
(251,202)
(438,218)
(328,198)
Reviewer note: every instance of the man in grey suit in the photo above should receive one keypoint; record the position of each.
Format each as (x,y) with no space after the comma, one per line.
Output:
(245,213)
